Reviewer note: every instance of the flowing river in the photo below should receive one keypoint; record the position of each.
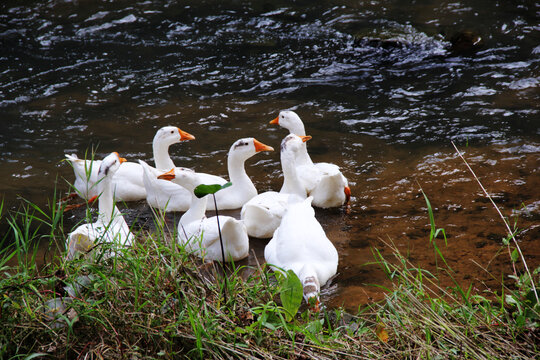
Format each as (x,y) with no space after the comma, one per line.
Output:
(383,87)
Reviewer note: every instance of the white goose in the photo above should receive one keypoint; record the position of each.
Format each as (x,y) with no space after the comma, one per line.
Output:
(199,233)
(300,244)
(167,195)
(323,181)
(110,226)
(262,214)
(128,181)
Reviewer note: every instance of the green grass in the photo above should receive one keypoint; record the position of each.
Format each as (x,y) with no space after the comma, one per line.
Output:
(155,300)
(427,321)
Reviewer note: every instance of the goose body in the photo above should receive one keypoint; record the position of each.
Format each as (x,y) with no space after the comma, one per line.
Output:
(199,233)
(86,179)
(324,181)
(163,194)
(300,244)
(128,182)
(262,214)
(110,226)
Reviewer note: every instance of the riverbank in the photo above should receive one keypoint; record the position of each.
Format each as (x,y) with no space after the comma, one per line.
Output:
(157,301)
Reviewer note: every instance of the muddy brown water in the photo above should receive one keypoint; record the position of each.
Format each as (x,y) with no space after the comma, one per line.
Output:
(393,210)
(380,87)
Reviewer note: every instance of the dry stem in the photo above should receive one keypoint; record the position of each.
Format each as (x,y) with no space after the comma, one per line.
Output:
(504,221)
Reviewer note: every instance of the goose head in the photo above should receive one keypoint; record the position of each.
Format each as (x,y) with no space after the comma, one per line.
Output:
(169,135)
(184,177)
(289,120)
(247,147)
(110,165)
(291,144)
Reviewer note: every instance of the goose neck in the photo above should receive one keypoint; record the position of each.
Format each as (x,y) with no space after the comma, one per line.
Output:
(161,156)
(236,169)
(291,182)
(106,200)
(303,157)
(297,129)
(196,210)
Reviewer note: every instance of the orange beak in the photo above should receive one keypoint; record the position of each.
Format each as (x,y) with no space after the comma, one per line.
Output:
(259,146)
(305,138)
(169,175)
(275,121)
(122,160)
(185,136)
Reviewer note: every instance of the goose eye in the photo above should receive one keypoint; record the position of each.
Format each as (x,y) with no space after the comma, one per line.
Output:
(172,131)
(240,143)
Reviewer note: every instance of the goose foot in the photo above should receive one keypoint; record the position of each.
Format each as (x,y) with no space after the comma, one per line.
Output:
(314,304)
(68,197)
(76,206)
(347,191)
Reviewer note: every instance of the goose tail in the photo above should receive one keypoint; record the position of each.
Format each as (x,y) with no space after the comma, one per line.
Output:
(72,157)
(260,222)
(235,240)
(78,242)
(330,192)
(312,287)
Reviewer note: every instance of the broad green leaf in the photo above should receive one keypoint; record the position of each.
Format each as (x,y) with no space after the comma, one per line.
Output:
(515,255)
(203,190)
(291,294)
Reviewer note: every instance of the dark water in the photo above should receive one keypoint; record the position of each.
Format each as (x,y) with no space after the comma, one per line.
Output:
(379,85)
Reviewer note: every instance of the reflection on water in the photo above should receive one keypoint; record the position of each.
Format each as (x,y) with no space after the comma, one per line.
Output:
(381,88)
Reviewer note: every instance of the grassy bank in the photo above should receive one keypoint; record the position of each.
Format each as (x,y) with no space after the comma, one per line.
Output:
(157,301)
